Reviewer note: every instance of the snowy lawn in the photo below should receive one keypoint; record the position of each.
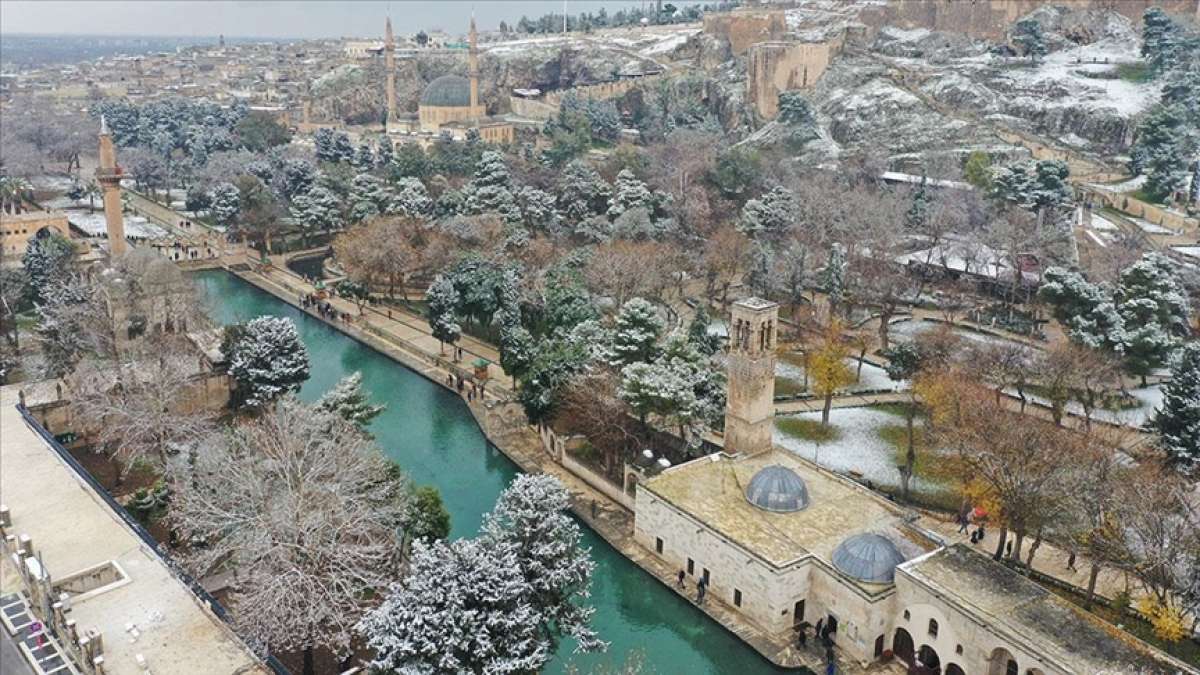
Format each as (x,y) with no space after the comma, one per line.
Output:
(1149,227)
(868,441)
(1148,400)
(789,366)
(1189,251)
(906,330)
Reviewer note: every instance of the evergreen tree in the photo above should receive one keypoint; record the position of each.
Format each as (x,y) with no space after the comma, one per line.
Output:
(1155,312)
(1177,420)
(266,359)
(917,215)
(978,170)
(442,299)
(538,210)
(296,177)
(317,210)
(706,342)
(1086,310)
(581,192)
(490,190)
(410,160)
(431,520)
(323,142)
(556,363)
(369,197)
(1027,35)
(833,277)
(47,260)
(364,158)
(517,349)
(411,199)
(635,336)
(629,193)
(384,155)
(770,215)
(1160,39)
(348,400)
(343,149)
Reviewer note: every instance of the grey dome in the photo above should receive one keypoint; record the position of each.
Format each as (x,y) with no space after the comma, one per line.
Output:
(777,488)
(448,91)
(868,557)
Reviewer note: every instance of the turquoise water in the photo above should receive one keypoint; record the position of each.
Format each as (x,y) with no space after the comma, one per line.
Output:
(430,433)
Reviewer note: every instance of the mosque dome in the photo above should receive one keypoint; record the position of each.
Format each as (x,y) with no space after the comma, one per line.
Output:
(777,488)
(868,557)
(448,91)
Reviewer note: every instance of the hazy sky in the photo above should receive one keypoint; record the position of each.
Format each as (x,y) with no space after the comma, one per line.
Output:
(279,18)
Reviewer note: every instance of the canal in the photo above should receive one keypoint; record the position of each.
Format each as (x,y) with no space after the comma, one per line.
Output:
(429,432)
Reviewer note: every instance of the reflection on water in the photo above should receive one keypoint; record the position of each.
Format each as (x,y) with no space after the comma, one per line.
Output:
(431,435)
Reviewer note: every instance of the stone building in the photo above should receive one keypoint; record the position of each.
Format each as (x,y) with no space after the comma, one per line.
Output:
(785,544)
(16,229)
(109,175)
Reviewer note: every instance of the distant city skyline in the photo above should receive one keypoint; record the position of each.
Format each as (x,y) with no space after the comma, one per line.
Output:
(275,19)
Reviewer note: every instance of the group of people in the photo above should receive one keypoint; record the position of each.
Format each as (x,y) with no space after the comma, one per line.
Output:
(701,586)
(460,384)
(324,308)
(964,519)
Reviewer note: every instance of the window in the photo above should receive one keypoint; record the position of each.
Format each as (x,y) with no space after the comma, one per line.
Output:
(705,576)
(658,545)
(691,567)
(1011,668)
(737,598)
(958,649)
(907,616)
(933,627)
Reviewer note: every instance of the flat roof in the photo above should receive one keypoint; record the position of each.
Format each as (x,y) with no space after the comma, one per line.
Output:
(74,529)
(712,490)
(1036,618)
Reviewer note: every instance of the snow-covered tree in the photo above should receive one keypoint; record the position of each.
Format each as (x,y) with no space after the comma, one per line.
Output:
(706,342)
(532,518)
(369,197)
(60,328)
(1086,310)
(443,299)
(582,192)
(296,177)
(224,204)
(343,149)
(1194,191)
(1027,34)
(364,157)
(517,349)
(539,211)
(770,215)
(348,400)
(1033,185)
(1155,311)
(47,260)
(490,190)
(629,193)
(1160,150)
(917,215)
(833,277)
(384,155)
(266,359)
(249,497)
(461,608)
(323,142)
(1160,39)
(665,387)
(318,210)
(557,362)
(636,333)
(411,199)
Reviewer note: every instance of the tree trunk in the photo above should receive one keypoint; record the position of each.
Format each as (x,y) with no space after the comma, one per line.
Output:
(1000,544)
(825,410)
(862,354)
(1093,574)
(308,661)
(1016,549)
(1037,542)
(884,328)
(910,457)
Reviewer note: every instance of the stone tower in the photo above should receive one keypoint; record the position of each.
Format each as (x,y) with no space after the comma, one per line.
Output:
(108,175)
(473,69)
(750,405)
(389,61)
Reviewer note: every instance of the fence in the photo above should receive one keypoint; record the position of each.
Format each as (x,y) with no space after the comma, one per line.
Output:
(194,586)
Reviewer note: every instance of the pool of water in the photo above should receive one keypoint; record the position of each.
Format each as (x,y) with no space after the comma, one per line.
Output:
(430,433)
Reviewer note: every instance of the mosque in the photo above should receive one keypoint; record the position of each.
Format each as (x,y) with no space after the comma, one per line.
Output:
(449,103)
(782,543)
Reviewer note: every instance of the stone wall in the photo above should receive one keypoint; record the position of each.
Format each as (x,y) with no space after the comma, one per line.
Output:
(17,230)
(774,67)
(745,27)
(546,106)
(991,19)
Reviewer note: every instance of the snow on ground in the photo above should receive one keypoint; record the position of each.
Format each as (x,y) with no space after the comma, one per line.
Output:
(1149,399)
(1130,185)
(1149,227)
(873,378)
(669,44)
(905,330)
(136,227)
(1127,98)
(1096,238)
(858,449)
(48,182)
(1189,251)
(1101,223)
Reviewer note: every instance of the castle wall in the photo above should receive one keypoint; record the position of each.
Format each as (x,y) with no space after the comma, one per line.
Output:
(745,27)
(775,67)
(990,20)
(546,106)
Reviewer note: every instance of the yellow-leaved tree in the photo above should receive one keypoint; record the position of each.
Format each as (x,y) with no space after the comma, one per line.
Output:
(827,366)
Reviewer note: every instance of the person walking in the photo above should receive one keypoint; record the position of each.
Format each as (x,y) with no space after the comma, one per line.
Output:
(820,627)
(679,580)
(1071,560)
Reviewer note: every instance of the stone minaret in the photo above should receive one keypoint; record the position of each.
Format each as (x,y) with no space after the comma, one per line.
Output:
(473,69)
(389,61)
(108,175)
(750,405)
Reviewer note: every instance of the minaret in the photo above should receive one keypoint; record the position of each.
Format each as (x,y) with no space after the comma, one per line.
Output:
(473,70)
(389,56)
(108,175)
(750,402)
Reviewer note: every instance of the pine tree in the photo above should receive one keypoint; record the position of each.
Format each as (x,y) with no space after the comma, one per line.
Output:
(833,277)
(1155,311)
(1160,39)
(384,155)
(411,199)
(296,177)
(343,149)
(629,193)
(348,400)
(517,349)
(443,299)
(47,260)
(770,215)
(635,337)
(539,212)
(1086,310)
(369,197)
(582,192)
(917,215)
(317,210)
(364,158)
(323,141)
(1177,420)
(267,359)
(706,342)
(490,190)
(1027,34)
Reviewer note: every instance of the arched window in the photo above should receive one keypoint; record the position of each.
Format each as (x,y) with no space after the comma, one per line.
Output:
(933,628)
(1011,668)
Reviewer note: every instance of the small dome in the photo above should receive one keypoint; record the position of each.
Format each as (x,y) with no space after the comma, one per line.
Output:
(868,557)
(448,91)
(777,488)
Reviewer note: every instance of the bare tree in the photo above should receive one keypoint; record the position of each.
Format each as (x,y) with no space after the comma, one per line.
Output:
(624,269)
(384,252)
(308,513)
(724,254)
